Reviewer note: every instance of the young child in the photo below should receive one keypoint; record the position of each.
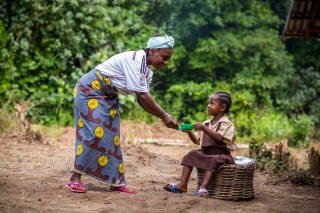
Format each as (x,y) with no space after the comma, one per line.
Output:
(217,137)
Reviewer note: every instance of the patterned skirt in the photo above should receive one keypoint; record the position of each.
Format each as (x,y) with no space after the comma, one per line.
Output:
(97,121)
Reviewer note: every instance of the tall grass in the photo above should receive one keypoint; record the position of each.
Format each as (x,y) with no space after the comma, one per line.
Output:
(7,118)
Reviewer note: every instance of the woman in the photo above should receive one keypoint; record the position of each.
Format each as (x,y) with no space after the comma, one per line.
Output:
(96,111)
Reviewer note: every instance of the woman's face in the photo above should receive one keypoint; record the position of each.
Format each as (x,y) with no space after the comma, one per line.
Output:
(158,58)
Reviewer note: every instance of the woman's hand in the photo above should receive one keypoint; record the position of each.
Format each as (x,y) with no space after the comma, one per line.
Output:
(169,121)
(147,102)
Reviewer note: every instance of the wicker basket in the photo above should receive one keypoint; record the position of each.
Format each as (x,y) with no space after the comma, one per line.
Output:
(231,182)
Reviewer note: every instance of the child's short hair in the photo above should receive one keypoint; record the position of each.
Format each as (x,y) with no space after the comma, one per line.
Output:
(225,98)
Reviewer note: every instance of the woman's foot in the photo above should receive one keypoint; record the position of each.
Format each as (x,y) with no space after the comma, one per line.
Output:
(75,184)
(76,187)
(122,189)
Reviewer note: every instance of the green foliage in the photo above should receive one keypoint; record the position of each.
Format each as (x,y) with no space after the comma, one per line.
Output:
(131,110)
(305,98)
(301,134)
(53,43)
(188,101)
(46,46)
(264,160)
(5,62)
(274,126)
(7,119)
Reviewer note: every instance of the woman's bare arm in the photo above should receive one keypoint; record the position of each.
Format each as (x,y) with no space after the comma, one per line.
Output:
(147,102)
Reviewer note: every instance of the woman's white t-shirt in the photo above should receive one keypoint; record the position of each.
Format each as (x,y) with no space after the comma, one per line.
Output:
(128,71)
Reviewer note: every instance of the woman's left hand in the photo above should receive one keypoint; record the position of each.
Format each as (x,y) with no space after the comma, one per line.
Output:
(169,121)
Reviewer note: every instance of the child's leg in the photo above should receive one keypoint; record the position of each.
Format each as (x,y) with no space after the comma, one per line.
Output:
(207,179)
(186,172)
(202,192)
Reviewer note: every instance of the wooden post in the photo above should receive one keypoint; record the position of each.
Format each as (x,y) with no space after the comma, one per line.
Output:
(22,123)
(282,153)
(278,152)
(314,162)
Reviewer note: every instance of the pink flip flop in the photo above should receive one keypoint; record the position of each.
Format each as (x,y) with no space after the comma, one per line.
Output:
(123,189)
(76,187)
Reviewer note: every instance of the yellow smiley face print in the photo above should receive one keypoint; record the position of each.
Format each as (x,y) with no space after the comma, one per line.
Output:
(113,113)
(80,123)
(107,80)
(99,75)
(80,149)
(99,132)
(121,168)
(96,85)
(75,92)
(103,160)
(116,140)
(93,103)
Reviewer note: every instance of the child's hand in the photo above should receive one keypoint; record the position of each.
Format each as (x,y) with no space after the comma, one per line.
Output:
(198,126)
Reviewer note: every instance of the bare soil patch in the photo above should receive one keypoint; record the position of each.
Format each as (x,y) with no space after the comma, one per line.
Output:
(33,177)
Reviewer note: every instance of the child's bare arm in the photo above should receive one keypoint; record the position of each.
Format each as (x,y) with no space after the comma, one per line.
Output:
(192,136)
(212,134)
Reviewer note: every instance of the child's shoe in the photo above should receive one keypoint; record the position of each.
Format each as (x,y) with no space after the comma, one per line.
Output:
(202,192)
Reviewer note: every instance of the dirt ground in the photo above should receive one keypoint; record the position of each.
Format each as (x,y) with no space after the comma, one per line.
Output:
(33,176)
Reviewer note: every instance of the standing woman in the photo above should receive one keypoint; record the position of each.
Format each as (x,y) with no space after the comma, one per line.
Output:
(96,111)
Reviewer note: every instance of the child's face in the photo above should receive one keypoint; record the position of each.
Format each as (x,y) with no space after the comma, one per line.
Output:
(214,107)
(158,58)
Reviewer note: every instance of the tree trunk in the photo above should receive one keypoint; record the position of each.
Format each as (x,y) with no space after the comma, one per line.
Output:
(314,161)
(282,153)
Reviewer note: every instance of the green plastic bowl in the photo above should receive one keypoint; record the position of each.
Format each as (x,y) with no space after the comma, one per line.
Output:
(185,126)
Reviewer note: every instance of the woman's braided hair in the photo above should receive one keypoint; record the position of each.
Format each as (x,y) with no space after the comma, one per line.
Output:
(225,98)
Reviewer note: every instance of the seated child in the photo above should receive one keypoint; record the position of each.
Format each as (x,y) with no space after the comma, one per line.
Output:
(217,137)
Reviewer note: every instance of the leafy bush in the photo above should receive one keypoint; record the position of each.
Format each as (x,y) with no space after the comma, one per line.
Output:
(188,101)
(301,133)
(131,110)
(264,161)
(274,126)
(7,117)
(46,46)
